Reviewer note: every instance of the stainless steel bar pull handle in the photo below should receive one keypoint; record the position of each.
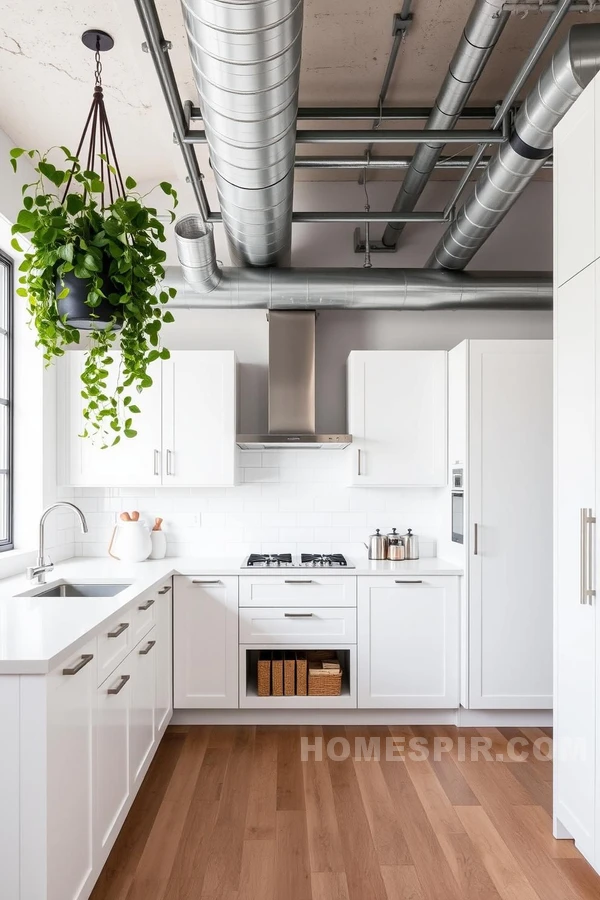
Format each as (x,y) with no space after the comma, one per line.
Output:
(170,462)
(587,567)
(407,581)
(73,670)
(475,539)
(147,604)
(157,462)
(298,581)
(147,648)
(120,686)
(358,461)
(165,590)
(214,581)
(123,626)
(298,615)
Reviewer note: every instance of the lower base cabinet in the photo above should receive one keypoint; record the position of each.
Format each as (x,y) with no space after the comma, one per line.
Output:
(408,642)
(83,751)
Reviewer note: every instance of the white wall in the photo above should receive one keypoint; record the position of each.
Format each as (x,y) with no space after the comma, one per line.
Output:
(34,457)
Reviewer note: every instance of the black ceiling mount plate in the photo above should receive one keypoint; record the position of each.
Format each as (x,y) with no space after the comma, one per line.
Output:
(95,39)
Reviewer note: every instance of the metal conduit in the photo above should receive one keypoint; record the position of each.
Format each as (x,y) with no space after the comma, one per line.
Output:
(571,68)
(483,28)
(246,61)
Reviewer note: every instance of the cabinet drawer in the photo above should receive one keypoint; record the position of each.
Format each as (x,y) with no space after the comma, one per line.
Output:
(298,590)
(262,625)
(114,643)
(144,615)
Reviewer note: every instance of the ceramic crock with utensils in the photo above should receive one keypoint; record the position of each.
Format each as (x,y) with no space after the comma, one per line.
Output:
(130,540)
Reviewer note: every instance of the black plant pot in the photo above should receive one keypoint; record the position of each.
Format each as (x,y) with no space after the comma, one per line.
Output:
(79,314)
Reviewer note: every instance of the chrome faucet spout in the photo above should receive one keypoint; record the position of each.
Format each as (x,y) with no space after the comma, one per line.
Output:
(37,573)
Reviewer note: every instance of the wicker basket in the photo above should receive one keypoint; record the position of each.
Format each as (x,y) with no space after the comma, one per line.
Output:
(264,673)
(301,674)
(289,673)
(324,682)
(277,674)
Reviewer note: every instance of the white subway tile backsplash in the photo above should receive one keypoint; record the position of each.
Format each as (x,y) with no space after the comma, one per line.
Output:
(289,501)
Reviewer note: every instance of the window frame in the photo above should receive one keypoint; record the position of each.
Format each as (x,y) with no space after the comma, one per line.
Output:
(7,263)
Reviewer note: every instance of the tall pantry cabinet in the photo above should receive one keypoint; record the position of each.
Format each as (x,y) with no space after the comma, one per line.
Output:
(577,464)
(500,436)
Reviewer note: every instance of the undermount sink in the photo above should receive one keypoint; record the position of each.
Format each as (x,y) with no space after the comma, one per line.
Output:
(81,589)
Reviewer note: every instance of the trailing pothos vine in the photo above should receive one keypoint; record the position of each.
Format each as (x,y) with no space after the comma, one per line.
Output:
(115,250)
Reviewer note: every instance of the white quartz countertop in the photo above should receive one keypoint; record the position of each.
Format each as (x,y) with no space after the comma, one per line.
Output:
(39,633)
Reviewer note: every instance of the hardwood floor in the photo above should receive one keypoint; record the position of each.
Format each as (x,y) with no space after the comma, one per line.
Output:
(398,813)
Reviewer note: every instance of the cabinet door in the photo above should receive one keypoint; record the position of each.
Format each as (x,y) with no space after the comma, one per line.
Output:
(199,391)
(575,328)
(205,644)
(575,188)
(510,507)
(112,770)
(408,642)
(81,462)
(70,732)
(143,703)
(164,659)
(397,417)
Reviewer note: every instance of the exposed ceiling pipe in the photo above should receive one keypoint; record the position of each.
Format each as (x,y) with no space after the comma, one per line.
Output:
(202,284)
(483,28)
(571,68)
(246,61)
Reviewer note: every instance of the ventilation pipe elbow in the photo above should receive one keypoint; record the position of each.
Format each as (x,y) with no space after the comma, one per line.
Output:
(502,182)
(196,252)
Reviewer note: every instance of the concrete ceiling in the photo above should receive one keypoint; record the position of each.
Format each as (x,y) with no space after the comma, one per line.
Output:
(46,74)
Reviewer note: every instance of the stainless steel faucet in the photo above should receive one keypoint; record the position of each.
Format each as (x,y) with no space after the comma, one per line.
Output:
(37,573)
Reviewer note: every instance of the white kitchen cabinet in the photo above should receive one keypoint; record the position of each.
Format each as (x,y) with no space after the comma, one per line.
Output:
(164,660)
(112,766)
(577,319)
(186,429)
(575,207)
(199,418)
(143,704)
(508,524)
(408,642)
(397,417)
(70,710)
(205,642)
(82,462)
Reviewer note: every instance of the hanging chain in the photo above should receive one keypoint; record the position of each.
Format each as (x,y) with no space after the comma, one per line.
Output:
(98,73)
(367,263)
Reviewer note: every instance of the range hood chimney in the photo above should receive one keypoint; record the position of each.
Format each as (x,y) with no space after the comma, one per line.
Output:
(292,388)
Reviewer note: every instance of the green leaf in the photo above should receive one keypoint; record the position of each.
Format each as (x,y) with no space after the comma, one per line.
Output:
(134,409)
(64,293)
(66,252)
(16,246)
(166,187)
(74,203)
(168,317)
(96,186)
(27,219)
(130,433)
(16,152)
(27,202)
(21,292)
(130,183)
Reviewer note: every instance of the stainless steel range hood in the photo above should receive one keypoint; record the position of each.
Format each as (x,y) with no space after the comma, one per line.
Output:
(292,388)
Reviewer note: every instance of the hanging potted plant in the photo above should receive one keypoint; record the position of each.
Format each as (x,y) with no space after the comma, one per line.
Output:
(94,264)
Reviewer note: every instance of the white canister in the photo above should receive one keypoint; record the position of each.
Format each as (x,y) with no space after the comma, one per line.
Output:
(130,542)
(159,544)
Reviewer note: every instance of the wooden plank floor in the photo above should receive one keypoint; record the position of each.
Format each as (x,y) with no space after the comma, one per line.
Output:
(233,813)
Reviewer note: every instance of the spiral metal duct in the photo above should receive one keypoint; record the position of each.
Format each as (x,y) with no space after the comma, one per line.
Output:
(483,28)
(246,60)
(571,68)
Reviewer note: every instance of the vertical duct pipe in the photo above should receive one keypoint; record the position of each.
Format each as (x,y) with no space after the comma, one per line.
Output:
(571,68)
(483,28)
(246,60)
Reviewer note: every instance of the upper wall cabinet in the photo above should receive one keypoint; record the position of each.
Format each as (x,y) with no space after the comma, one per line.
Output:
(186,430)
(574,197)
(397,403)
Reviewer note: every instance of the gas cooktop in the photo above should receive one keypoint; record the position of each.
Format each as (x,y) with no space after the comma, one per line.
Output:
(304,561)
